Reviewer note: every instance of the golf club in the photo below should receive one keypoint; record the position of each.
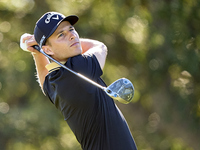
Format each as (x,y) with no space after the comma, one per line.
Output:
(121,90)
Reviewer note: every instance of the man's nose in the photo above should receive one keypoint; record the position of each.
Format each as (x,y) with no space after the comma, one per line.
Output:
(72,36)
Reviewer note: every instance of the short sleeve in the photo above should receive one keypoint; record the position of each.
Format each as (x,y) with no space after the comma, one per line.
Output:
(87,65)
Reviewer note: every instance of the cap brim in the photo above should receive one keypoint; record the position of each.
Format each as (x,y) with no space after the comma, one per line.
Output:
(72,19)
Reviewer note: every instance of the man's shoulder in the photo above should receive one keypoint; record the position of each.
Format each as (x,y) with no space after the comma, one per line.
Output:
(84,59)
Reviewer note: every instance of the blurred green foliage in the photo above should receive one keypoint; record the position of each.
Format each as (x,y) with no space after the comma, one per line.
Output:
(155,44)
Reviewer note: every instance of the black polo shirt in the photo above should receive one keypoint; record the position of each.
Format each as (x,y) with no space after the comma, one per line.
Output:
(91,114)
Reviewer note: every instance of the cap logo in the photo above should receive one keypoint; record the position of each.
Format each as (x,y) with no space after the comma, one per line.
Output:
(56,18)
(48,19)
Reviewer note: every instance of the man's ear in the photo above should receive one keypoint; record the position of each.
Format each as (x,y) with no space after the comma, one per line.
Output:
(47,50)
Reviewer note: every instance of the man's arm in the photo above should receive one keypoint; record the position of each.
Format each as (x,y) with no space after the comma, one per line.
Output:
(95,47)
(40,60)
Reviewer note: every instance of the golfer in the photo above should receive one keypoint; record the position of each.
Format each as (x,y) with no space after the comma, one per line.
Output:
(91,114)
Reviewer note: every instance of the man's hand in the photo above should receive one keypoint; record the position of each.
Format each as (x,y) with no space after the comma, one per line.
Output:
(26,43)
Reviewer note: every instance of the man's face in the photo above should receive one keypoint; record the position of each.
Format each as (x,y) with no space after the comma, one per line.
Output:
(64,42)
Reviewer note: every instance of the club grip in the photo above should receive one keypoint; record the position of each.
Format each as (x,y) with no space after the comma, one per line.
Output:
(37,48)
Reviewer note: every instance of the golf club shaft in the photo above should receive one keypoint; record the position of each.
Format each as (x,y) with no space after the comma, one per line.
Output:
(77,74)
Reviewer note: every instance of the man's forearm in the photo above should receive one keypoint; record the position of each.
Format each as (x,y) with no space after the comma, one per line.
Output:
(95,47)
(87,44)
(40,62)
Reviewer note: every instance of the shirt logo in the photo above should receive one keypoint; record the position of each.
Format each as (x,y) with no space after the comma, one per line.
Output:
(49,16)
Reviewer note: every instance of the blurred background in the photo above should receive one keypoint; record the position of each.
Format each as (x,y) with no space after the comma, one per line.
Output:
(155,44)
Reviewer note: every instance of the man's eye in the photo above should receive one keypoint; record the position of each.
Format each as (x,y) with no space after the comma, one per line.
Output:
(60,35)
(71,29)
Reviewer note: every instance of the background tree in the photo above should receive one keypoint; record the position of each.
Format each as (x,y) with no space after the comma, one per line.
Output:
(155,44)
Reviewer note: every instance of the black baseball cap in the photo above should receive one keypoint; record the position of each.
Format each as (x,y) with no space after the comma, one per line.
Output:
(48,23)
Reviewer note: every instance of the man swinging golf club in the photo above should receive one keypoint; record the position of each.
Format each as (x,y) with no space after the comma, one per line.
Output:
(90,113)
